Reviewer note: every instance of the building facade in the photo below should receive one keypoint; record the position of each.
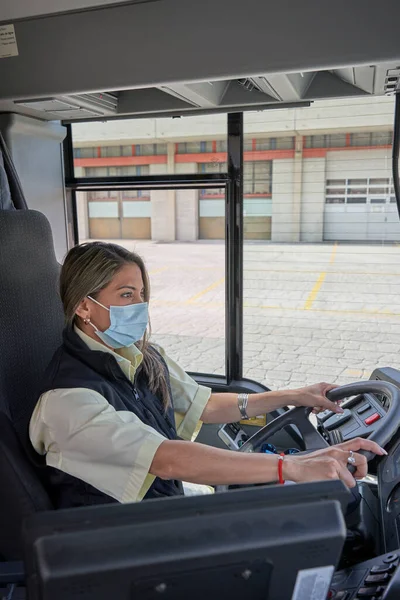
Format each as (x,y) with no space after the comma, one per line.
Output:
(312,174)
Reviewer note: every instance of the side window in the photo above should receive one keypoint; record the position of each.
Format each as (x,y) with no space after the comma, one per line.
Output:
(322,284)
(179,232)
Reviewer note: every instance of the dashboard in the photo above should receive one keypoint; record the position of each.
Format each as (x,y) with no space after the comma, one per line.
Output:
(360,418)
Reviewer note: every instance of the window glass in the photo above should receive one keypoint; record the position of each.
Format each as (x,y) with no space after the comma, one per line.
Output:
(165,145)
(180,233)
(187,273)
(336,140)
(322,287)
(85,152)
(110,151)
(221,146)
(284,143)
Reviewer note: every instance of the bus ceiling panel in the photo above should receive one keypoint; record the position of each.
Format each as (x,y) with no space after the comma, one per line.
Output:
(251,93)
(13,10)
(167,42)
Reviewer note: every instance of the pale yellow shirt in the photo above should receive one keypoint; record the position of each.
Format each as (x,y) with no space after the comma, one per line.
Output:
(83,435)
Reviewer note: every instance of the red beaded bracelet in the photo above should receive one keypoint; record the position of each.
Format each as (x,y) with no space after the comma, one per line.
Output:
(280,469)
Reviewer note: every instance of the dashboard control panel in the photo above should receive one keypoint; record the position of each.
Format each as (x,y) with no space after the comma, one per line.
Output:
(360,417)
(377,579)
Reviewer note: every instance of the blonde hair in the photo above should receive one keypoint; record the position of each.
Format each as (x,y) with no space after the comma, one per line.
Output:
(88,269)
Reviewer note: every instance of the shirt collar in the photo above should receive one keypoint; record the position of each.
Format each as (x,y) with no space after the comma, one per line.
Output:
(129,358)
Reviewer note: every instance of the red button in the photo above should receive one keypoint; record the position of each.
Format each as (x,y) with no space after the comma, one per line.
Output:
(372,419)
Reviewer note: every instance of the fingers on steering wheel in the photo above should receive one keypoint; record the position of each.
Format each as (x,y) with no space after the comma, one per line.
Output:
(362,444)
(346,476)
(361,466)
(360,463)
(326,404)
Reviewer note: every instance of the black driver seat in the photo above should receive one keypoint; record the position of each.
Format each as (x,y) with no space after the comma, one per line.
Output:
(31,323)
(22,492)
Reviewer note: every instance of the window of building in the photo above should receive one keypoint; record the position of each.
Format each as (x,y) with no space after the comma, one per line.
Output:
(85,152)
(284,143)
(358,191)
(114,151)
(265,144)
(150,149)
(117,171)
(221,146)
(375,138)
(257,177)
(381,138)
(337,140)
(194,147)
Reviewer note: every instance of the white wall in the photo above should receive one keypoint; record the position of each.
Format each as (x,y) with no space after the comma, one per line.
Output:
(359,163)
(283,229)
(313,200)
(187,208)
(162,210)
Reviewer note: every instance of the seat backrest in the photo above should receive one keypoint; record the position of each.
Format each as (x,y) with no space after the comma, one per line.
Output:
(31,315)
(21,491)
(31,323)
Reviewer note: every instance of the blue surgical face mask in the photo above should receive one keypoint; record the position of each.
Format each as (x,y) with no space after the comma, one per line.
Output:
(127,324)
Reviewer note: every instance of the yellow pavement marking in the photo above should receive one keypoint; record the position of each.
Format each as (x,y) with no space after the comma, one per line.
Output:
(314,291)
(353,372)
(333,255)
(317,286)
(205,291)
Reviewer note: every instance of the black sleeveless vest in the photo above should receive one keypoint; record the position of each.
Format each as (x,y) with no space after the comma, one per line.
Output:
(75,365)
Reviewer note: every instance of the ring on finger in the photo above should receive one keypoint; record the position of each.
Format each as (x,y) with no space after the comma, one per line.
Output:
(351,460)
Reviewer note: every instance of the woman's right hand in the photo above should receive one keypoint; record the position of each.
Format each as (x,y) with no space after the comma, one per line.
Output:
(330,463)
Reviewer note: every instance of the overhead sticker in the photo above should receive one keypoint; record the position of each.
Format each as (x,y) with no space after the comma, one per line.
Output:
(8,41)
(313,584)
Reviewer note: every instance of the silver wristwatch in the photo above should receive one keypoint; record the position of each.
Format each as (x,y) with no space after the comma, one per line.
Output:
(243,400)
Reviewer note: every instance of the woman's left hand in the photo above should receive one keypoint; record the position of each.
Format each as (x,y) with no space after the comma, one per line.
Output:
(315,396)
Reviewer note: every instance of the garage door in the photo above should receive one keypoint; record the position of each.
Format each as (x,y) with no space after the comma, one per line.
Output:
(361,210)
(119,215)
(256,217)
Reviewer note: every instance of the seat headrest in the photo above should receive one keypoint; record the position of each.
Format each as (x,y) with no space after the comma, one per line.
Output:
(31,315)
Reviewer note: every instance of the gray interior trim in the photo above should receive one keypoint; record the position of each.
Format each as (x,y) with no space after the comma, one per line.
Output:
(162,43)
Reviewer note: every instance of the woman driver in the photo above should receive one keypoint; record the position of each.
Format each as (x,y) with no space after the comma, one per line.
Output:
(115,409)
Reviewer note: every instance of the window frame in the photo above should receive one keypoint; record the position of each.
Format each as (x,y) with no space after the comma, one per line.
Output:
(232,182)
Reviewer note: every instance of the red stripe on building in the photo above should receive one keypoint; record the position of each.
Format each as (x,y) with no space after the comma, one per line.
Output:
(321,152)
(120,161)
(256,155)
(222,156)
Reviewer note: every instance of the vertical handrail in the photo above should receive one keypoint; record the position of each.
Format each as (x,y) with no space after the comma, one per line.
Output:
(70,197)
(234,250)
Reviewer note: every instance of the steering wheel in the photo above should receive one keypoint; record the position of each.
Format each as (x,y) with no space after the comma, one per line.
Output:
(313,440)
